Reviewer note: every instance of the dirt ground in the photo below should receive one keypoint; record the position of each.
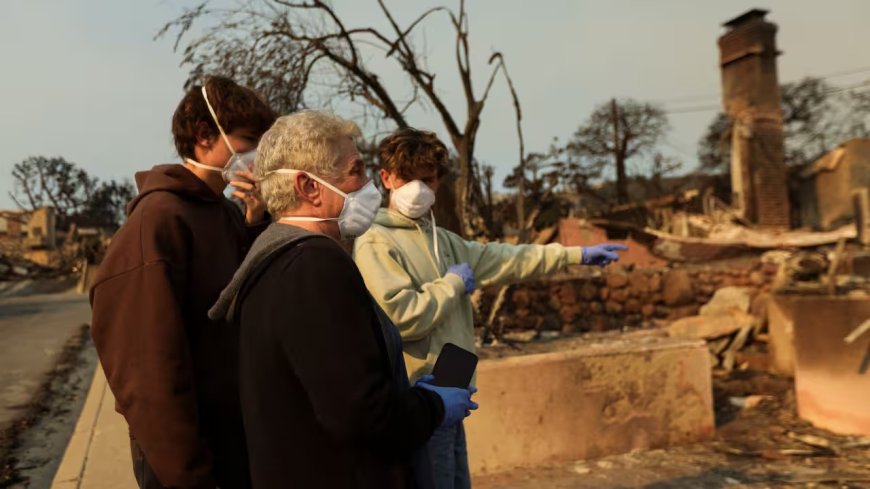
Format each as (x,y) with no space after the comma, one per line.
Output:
(760,442)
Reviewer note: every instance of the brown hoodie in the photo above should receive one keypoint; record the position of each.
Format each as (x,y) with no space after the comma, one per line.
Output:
(173,371)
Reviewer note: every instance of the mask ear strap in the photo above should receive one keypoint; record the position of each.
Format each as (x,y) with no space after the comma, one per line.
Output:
(216,121)
(200,165)
(290,171)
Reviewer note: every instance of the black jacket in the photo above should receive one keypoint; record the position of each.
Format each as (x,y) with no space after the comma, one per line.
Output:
(325,399)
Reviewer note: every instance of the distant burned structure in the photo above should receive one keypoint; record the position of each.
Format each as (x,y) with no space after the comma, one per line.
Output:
(750,94)
(828,186)
(13,228)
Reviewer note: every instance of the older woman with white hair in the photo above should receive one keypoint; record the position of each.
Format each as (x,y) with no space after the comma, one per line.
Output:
(324,393)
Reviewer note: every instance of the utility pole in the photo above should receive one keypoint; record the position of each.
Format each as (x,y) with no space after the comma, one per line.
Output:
(621,180)
(487,181)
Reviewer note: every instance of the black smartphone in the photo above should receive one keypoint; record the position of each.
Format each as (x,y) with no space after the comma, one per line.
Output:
(454,367)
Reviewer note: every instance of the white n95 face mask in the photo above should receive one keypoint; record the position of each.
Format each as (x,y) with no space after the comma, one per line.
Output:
(414,199)
(238,161)
(358,212)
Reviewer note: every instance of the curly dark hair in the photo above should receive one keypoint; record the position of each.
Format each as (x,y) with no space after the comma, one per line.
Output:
(409,151)
(236,107)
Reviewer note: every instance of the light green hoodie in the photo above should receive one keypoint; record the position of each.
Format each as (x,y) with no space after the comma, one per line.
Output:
(397,260)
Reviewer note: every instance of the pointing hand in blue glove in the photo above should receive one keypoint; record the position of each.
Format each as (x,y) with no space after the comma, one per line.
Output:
(464,271)
(457,402)
(602,254)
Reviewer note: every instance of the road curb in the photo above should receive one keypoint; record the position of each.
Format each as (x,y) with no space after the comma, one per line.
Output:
(97,455)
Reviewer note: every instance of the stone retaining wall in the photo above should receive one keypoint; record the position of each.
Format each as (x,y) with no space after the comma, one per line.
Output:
(596,301)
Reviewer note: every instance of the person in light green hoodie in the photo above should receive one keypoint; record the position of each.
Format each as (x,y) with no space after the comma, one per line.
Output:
(423,275)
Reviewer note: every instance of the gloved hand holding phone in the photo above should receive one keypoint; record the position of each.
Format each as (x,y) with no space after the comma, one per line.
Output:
(457,401)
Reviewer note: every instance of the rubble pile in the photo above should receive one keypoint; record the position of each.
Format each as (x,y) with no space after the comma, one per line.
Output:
(723,302)
(726,323)
(735,317)
(837,272)
(16,268)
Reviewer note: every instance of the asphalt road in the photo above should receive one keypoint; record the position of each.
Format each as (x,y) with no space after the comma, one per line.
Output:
(33,332)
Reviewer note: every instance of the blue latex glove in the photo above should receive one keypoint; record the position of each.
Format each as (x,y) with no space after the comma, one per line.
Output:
(457,402)
(467,275)
(602,254)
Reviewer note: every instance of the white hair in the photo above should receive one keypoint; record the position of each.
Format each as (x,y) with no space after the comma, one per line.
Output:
(307,141)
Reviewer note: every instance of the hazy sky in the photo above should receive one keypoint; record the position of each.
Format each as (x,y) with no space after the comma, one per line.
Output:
(84,79)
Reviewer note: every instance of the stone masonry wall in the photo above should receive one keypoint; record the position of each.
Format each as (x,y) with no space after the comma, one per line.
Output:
(616,297)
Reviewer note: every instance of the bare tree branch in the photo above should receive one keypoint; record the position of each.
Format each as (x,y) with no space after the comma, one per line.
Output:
(278,47)
(407,32)
(409,64)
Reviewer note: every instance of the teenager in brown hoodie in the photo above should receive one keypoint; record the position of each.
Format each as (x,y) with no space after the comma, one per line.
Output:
(173,371)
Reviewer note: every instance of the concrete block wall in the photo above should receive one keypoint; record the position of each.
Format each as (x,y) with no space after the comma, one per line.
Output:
(595,400)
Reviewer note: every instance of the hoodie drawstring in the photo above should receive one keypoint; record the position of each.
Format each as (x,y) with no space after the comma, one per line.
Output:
(436,261)
(435,239)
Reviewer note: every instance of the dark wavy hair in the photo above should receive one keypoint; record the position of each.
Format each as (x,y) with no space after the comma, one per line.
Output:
(236,107)
(409,151)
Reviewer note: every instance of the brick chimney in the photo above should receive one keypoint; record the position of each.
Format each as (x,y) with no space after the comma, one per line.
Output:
(750,94)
